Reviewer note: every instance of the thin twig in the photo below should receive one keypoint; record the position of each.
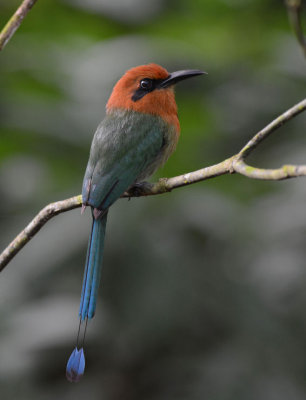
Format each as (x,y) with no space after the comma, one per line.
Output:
(236,163)
(35,225)
(278,174)
(276,123)
(15,21)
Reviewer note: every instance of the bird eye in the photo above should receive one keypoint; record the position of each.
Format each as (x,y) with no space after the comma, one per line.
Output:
(146,84)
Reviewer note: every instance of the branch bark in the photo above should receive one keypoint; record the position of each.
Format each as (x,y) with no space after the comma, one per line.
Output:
(236,163)
(14,22)
(35,225)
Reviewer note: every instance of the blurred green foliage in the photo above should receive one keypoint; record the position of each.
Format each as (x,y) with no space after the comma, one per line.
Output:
(203,290)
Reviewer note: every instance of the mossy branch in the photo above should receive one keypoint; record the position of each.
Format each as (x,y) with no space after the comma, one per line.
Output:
(236,163)
(14,22)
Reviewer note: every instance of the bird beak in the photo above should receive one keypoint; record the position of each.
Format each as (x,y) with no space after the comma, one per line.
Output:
(178,76)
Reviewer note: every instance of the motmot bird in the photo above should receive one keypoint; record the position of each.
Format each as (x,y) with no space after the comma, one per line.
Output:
(138,134)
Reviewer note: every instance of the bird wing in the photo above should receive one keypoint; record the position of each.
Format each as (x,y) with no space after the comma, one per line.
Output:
(125,145)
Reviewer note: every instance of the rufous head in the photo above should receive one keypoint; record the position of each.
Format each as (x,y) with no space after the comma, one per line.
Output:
(149,89)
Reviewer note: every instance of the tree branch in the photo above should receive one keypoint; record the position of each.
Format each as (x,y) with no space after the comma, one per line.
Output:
(294,8)
(15,21)
(236,163)
(35,225)
(276,123)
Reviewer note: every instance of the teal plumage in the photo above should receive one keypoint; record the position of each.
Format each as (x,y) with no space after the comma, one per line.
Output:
(92,273)
(127,146)
(138,134)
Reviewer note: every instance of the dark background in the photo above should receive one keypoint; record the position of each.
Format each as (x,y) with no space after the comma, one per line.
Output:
(203,291)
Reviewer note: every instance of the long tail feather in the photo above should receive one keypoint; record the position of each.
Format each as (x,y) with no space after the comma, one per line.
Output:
(92,274)
(76,365)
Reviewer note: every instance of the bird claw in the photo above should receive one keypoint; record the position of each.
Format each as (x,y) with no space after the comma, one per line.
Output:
(139,189)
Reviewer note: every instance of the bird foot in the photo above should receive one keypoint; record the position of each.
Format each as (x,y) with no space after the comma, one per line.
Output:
(139,189)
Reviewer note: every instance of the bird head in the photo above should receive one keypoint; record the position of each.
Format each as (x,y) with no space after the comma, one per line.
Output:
(149,89)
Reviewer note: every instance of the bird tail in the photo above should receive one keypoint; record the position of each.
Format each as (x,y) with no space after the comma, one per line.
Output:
(92,274)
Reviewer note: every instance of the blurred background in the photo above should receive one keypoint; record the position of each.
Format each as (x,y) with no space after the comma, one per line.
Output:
(203,291)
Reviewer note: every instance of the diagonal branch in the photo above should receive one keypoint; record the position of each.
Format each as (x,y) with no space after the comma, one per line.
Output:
(236,163)
(275,124)
(15,21)
(35,225)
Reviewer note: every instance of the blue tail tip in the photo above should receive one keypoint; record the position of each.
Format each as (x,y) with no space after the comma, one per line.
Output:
(75,365)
